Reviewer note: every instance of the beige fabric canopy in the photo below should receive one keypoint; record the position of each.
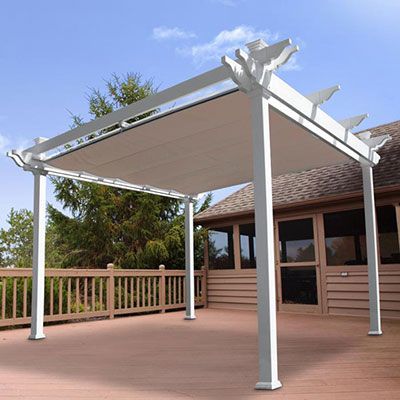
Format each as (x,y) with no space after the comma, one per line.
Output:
(199,148)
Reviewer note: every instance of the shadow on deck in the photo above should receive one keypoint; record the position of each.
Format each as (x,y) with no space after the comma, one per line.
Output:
(162,356)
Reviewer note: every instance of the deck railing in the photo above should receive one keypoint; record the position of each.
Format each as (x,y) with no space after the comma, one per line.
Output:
(88,293)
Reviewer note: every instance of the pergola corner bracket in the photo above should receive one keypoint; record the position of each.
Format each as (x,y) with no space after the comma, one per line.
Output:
(255,67)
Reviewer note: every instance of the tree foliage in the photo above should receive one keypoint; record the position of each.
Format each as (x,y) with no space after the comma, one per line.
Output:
(103,224)
(16,242)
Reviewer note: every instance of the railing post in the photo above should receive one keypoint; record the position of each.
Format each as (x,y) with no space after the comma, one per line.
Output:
(204,286)
(110,290)
(162,287)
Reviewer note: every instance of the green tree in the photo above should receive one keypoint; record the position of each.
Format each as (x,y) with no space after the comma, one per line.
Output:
(103,224)
(16,242)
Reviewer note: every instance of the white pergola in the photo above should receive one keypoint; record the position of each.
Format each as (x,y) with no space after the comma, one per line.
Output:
(258,129)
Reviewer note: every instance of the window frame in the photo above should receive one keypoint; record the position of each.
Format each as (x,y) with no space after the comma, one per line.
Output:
(215,227)
(316,260)
(240,246)
(356,206)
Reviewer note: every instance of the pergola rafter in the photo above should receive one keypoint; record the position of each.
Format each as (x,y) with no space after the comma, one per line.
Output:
(219,153)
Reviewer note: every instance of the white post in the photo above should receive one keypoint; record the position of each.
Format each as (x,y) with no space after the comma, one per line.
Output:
(189,261)
(372,251)
(39,237)
(266,301)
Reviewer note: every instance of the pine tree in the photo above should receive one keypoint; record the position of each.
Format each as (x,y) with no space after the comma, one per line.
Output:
(103,224)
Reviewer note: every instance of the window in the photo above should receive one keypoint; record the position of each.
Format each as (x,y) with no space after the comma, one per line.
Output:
(296,240)
(299,285)
(220,248)
(345,240)
(247,246)
(388,235)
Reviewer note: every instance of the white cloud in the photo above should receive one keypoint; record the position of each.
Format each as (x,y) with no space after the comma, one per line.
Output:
(226,42)
(165,33)
(4,142)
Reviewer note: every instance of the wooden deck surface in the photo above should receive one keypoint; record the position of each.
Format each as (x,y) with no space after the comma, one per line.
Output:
(161,356)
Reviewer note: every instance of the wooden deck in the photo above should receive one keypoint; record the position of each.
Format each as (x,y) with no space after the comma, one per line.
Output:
(161,356)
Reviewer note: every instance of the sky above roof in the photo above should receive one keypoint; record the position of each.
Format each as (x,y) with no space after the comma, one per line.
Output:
(52,52)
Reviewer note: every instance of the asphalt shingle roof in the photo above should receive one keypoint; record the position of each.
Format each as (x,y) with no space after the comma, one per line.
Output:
(320,182)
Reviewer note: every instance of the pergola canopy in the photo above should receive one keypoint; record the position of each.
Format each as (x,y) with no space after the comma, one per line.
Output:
(199,148)
(203,145)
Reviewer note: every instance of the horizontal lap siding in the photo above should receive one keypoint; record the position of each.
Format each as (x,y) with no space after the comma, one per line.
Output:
(348,295)
(232,289)
(345,295)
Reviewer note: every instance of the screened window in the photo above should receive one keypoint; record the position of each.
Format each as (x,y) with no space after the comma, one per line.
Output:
(345,237)
(296,240)
(247,246)
(388,235)
(220,248)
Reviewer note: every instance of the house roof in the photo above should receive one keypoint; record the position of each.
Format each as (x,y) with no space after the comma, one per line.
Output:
(317,183)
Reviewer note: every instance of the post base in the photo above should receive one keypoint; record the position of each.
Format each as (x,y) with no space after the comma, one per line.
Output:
(268,385)
(375,333)
(37,336)
(190,318)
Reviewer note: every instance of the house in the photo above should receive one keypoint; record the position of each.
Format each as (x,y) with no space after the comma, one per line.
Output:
(321,262)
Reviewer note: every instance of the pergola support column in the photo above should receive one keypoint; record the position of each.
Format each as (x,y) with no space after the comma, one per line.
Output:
(265,258)
(372,250)
(189,261)
(38,262)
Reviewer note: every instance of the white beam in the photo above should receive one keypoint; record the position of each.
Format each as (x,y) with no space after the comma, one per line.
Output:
(140,107)
(250,70)
(116,183)
(266,301)
(37,166)
(38,265)
(290,103)
(316,130)
(372,250)
(189,261)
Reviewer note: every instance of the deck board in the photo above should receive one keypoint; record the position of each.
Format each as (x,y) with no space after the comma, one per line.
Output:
(161,356)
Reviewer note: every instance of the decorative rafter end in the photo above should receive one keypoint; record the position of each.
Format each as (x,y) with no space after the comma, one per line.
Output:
(254,68)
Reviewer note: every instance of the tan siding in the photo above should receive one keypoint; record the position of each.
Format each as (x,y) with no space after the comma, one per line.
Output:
(348,295)
(232,289)
(345,295)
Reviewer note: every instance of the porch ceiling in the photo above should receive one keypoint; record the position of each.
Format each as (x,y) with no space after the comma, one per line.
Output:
(199,148)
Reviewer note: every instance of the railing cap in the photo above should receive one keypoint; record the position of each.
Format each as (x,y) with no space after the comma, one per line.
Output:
(161,267)
(110,265)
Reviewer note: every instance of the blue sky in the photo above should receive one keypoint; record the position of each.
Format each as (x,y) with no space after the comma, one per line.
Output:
(51,52)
